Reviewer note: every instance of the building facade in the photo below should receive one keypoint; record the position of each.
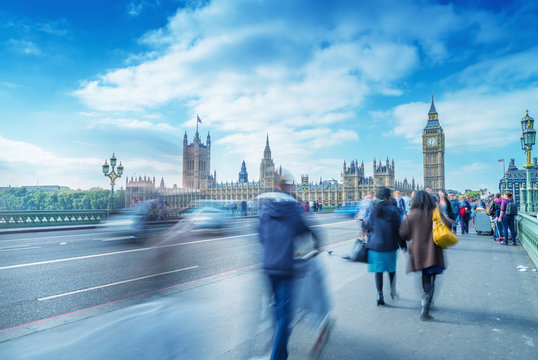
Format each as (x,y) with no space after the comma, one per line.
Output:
(433,149)
(515,178)
(199,184)
(197,163)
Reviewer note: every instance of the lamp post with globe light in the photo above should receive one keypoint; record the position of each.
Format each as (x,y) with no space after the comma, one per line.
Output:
(528,139)
(113,176)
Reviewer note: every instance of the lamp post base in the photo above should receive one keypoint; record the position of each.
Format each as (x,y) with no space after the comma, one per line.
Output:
(529,198)
(112,203)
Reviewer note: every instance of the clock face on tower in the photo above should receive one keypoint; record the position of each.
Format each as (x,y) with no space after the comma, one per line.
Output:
(431,141)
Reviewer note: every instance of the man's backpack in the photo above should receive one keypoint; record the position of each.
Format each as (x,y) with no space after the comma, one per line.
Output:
(511,208)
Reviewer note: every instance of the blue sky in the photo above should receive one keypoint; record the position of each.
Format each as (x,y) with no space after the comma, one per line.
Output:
(328,81)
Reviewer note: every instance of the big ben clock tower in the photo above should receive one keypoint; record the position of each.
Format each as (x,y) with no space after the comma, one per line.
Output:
(433,148)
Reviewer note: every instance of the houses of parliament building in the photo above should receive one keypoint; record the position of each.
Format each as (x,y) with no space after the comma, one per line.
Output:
(200,184)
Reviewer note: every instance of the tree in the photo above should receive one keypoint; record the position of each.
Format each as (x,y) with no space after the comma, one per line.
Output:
(472,194)
(22,199)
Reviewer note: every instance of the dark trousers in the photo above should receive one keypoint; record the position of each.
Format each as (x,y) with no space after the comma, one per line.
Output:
(282,291)
(508,222)
(464,220)
(379,281)
(428,285)
(498,229)
(455,224)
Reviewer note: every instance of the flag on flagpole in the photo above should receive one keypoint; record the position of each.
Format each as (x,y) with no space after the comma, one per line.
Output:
(198,119)
(500,160)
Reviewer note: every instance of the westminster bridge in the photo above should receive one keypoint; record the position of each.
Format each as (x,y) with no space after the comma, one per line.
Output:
(68,294)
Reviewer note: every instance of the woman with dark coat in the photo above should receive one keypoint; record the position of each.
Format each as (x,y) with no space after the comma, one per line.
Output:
(384,241)
(426,256)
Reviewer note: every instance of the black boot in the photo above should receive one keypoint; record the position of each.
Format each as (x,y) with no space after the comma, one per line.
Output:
(380,300)
(379,287)
(393,293)
(428,282)
(425,307)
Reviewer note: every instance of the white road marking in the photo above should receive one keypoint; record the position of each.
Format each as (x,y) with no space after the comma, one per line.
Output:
(21,248)
(115,283)
(47,237)
(119,238)
(118,252)
(336,223)
(144,249)
(14,246)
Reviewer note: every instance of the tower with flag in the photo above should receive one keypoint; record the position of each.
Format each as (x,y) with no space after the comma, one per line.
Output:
(197,161)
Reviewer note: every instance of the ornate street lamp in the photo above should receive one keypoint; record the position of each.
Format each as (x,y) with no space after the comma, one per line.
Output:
(528,139)
(113,176)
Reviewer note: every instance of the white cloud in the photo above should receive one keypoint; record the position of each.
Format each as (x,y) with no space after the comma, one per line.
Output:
(24,47)
(470,118)
(9,85)
(133,124)
(17,157)
(251,68)
(502,71)
(134,8)
(49,168)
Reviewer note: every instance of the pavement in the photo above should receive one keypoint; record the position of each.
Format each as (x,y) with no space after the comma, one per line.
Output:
(485,307)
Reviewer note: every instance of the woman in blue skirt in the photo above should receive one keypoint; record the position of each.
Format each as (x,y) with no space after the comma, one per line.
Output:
(385,239)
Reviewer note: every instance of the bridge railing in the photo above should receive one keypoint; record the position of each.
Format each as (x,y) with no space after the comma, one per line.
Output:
(41,218)
(527,229)
(14,219)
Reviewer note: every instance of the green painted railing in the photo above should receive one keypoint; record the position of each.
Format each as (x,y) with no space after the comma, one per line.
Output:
(20,219)
(527,229)
(14,219)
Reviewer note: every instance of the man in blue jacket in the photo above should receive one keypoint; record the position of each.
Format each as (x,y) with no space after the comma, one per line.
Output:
(281,222)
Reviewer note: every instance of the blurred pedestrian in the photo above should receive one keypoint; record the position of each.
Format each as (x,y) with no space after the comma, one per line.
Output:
(465,213)
(407,201)
(473,206)
(384,225)
(365,209)
(445,206)
(281,222)
(425,255)
(244,206)
(507,217)
(499,232)
(455,205)
(410,205)
(400,203)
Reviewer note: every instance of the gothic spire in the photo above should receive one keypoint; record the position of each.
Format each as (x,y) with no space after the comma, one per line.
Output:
(267,151)
(432,108)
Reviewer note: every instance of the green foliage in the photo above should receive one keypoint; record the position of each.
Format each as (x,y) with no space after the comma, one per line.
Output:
(22,199)
(473,194)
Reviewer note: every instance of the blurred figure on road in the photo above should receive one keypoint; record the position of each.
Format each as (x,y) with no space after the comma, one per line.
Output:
(426,256)
(384,225)
(243,208)
(365,209)
(281,222)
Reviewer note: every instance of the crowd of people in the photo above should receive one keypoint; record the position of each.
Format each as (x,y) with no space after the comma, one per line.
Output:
(389,222)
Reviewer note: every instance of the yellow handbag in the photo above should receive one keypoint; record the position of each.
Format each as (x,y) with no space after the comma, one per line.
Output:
(442,235)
